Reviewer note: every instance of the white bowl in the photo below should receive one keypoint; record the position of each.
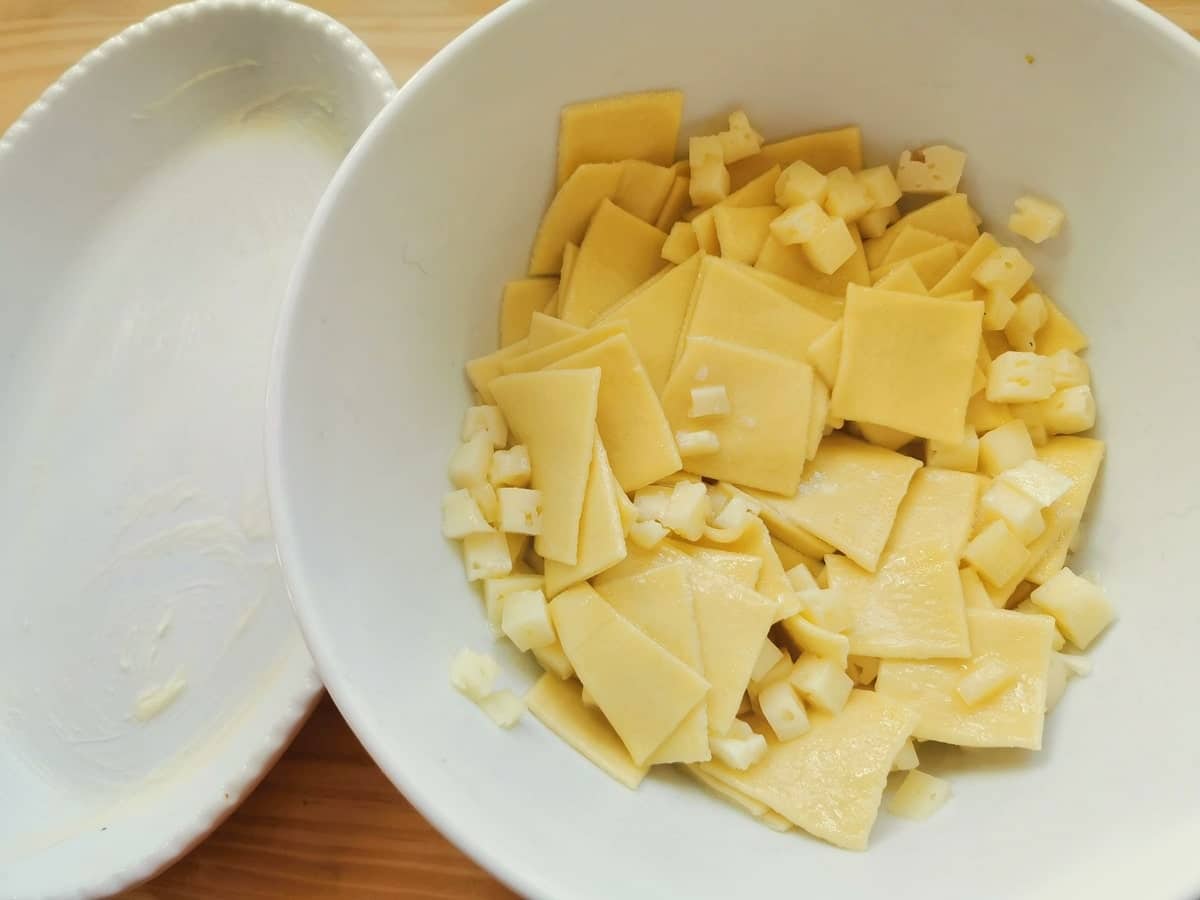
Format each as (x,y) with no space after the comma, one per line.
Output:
(152,205)
(399,282)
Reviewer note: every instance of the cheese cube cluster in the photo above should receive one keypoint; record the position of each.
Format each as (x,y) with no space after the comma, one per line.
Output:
(771,479)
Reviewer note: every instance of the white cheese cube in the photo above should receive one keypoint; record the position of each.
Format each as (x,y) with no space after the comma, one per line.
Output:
(827,607)
(1027,319)
(647,535)
(783,711)
(778,672)
(1070,410)
(998,311)
(740,140)
(997,554)
(709,400)
(821,683)
(798,224)
(697,443)
(931,170)
(486,556)
(1005,447)
(470,461)
(1004,272)
(1078,606)
(919,796)
(1016,377)
(799,184)
(874,223)
(735,515)
(846,197)
(520,510)
(880,185)
(1038,481)
(487,499)
(554,660)
(510,468)
(985,678)
(768,657)
(687,510)
(1070,370)
(962,457)
(473,674)
(906,759)
(526,620)
(709,182)
(1019,512)
(1036,219)
(739,752)
(503,707)
(801,578)
(651,502)
(486,420)
(830,247)
(461,516)
(496,589)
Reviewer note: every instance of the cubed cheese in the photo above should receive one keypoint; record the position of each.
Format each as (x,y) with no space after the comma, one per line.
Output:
(962,456)
(1078,606)
(1004,272)
(520,510)
(473,674)
(697,443)
(1069,411)
(1036,219)
(1005,447)
(874,223)
(799,224)
(739,751)
(880,185)
(1038,481)
(470,462)
(486,556)
(984,679)
(1016,377)
(486,420)
(930,170)
(830,247)
(1069,369)
(740,140)
(1022,514)
(919,796)
(525,620)
(687,510)
(1027,319)
(821,683)
(846,197)
(783,710)
(709,178)
(510,468)
(647,535)
(461,515)
(799,184)
(997,554)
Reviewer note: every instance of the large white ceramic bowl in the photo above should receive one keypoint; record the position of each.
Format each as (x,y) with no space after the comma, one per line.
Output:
(399,282)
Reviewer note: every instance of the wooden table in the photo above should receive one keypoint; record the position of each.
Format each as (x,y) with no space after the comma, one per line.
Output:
(325,822)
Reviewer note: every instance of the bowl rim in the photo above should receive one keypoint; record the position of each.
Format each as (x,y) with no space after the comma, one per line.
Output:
(394,758)
(295,686)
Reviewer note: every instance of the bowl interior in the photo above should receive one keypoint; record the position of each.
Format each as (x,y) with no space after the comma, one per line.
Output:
(400,283)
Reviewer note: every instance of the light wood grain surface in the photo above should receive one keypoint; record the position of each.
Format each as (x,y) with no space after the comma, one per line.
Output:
(325,823)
